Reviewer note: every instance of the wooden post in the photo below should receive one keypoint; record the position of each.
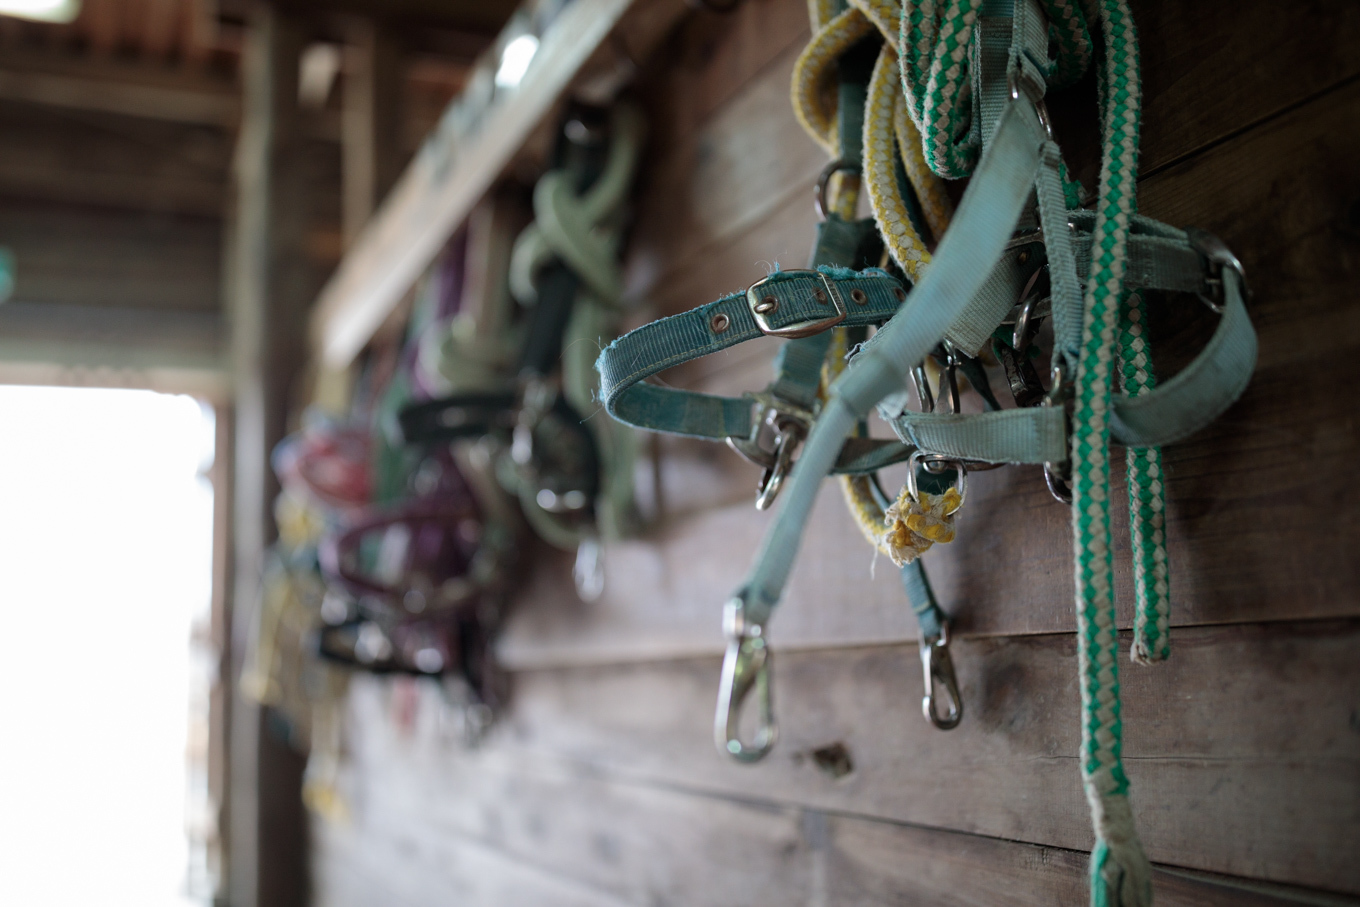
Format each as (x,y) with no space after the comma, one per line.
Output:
(267,291)
(371,125)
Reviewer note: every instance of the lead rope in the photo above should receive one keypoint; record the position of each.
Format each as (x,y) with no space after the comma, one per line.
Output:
(936,92)
(1120,873)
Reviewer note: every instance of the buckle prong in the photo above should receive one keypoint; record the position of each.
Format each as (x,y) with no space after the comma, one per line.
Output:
(764,304)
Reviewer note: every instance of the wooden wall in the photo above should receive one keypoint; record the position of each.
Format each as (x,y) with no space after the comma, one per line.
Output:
(601,786)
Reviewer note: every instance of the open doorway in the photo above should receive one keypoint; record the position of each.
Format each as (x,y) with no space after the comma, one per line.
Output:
(106,553)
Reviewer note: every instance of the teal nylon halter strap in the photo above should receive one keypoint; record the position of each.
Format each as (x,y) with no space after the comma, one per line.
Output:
(786,301)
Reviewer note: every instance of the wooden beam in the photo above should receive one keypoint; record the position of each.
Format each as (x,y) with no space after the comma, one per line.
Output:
(371,125)
(107,87)
(442,184)
(267,292)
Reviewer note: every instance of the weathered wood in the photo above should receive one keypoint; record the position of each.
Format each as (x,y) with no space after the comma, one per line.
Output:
(267,288)
(442,184)
(663,843)
(401,867)
(100,159)
(1242,749)
(101,258)
(371,124)
(107,87)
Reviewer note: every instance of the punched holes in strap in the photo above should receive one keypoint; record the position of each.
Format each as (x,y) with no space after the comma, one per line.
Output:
(789,300)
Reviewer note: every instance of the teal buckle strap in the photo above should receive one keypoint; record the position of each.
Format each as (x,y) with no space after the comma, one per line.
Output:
(985,221)
(1177,408)
(785,304)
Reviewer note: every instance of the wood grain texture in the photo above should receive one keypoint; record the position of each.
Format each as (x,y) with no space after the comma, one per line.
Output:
(649,819)
(1243,749)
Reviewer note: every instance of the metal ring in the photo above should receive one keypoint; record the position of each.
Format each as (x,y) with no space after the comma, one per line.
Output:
(961,483)
(823,178)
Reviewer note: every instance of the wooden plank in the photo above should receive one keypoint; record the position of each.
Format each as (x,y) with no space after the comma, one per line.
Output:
(442,184)
(98,258)
(666,843)
(1242,749)
(266,286)
(99,159)
(399,867)
(371,122)
(197,101)
(1186,48)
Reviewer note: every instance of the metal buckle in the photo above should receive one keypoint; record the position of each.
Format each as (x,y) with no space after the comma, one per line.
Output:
(1220,258)
(746,666)
(764,304)
(939,672)
(778,431)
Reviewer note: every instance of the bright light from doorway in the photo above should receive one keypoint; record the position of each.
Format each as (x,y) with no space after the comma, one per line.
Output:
(515,60)
(41,10)
(105,565)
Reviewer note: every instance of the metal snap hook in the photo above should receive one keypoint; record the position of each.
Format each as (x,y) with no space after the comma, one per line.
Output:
(778,431)
(588,571)
(746,666)
(790,436)
(1058,476)
(939,673)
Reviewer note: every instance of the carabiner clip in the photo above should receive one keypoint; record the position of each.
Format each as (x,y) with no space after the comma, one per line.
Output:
(746,665)
(939,671)
(775,436)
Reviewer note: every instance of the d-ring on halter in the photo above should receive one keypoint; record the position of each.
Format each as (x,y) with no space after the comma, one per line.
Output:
(745,666)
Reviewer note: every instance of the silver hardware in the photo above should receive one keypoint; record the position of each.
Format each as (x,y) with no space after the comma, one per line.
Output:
(588,571)
(1033,90)
(939,674)
(567,502)
(779,429)
(923,392)
(949,378)
(936,464)
(824,179)
(719,323)
(1058,476)
(746,667)
(1220,259)
(762,303)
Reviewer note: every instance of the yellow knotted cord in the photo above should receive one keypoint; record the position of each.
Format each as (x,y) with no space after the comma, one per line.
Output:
(887,129)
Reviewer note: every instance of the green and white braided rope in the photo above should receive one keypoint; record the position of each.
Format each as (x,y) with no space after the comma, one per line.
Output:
(1147,500)
(1120,873)
(936,79)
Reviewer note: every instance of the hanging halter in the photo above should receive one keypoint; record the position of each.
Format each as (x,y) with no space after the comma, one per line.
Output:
(572,476)
(973,78)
